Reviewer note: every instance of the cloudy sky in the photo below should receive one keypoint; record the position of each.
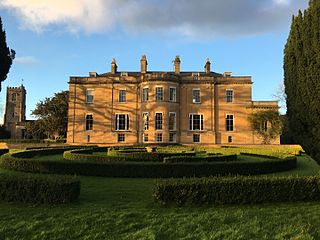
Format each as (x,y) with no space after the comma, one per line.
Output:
(55,39)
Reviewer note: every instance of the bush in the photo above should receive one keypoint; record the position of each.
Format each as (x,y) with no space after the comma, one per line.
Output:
(19,161)
(211,158)
(3,151)
(237,190)
(38,188)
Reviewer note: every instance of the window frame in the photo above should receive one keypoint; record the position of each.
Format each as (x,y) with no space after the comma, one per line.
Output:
(232,96)
(157,135)
(145,136)
(193,96)
(156,121)
(123,135)
(233,122)
(145,97)
(230,139)
(196,134)
(158,99)
(88,90)
(191,120)
(144,125)
(126,124)
(122,98)
(174,137)
(174,123)
(90,128)
(174,99)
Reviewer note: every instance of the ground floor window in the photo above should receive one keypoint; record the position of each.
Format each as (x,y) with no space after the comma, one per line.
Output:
(89,122)
(88,138)
(121,137)
(195,121)
(230,140)
(122,121)
(229,122)
(158,137)
(172,137)
(145,137)
(196,138)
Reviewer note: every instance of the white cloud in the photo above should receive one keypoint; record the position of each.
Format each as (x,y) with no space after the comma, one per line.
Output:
(26,60)
(194,18)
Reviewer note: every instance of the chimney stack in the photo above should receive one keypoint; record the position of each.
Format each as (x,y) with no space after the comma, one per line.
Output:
(144,64)
(207,66)
(114,66)
(176,65)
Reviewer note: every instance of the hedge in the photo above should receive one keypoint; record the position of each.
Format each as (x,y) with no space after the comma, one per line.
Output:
(3,151)
(13,161)
(236,190)
(211,158)
(37,188)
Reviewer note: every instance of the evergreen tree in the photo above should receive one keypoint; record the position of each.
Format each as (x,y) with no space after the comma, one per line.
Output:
(6,55)
(302,79)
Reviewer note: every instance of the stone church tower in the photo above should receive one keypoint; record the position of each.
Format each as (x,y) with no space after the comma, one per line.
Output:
(15,111)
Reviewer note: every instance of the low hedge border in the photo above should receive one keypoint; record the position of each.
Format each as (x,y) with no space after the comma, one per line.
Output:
(236,190)
(211,158)
(3,151)
(35,188)
(18,161)
(258,155)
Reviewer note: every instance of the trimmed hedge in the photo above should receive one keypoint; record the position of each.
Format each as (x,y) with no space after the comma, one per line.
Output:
(36,188)
(14,161)
(211,158)
(236,190)
(3,151)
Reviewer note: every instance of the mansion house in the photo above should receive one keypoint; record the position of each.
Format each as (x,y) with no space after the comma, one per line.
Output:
(162,107)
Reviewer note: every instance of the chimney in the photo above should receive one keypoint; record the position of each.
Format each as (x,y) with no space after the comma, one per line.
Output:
(207,66)
(144,64)
(176,65)
(114,66)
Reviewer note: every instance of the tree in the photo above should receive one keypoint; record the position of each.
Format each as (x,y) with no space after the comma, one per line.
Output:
(302,79)
(6,55)
(267,124)
(52,114)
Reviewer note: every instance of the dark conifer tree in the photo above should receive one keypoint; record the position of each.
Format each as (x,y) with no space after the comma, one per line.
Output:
(6,55)
(302,78)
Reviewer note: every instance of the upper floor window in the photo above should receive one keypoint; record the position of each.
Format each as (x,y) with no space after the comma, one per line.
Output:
(229,122)
(158,121)
(196,98)
(229,95)
(89,96)
(145,121)
(195,122)
(14,97)
(122,121)
(172,121)
(89,122)
(122,95)
(159,93)
(145,94)
(172,94)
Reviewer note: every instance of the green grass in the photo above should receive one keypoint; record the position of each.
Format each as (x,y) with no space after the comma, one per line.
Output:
(119,208)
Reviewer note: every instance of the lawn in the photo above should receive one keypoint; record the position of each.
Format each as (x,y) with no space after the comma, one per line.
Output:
(119,208)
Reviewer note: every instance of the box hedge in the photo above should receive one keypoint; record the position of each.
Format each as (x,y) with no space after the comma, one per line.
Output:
(36,188)
(3,151)
(211,158)
(236,190)
(18,161)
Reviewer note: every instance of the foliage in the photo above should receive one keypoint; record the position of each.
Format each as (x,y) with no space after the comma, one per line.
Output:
(3,151)
(211,158)
(38,188)
(302,79)
(52,114)
(237,190)
(4,134)
(267,124)
(6,55)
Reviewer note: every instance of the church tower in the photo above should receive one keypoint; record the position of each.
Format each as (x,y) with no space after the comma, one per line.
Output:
(15,111)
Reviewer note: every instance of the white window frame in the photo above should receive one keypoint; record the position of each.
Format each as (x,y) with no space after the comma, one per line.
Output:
(175,121)
(127,123)
(155,121)
(124,137)
(199,137)
(174,99)
(144,125)
(158,134)
(85,122)
(87,90)
(145,98)
(144,137)
(193,98)
(156,95)
(233,119)
(232,98)
(125,95)
(201,126)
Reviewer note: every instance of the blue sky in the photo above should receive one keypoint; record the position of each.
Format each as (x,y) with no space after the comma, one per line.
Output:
(55,39)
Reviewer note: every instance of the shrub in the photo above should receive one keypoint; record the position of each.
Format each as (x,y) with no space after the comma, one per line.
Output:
(236,190)
(3,151)
(211,158)
(37,188)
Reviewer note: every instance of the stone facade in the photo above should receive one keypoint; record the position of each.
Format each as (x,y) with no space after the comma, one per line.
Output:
(162,107)
(15,111)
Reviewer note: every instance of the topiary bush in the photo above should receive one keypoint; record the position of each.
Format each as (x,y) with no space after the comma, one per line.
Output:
(37,188)
(236,190)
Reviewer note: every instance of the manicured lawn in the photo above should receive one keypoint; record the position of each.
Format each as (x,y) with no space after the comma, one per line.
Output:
(119,208)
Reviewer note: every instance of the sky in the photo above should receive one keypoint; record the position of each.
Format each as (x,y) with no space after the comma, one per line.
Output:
(56,39)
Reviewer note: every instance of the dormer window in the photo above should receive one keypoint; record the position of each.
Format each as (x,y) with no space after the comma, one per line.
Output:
(124,74)
(195,74)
